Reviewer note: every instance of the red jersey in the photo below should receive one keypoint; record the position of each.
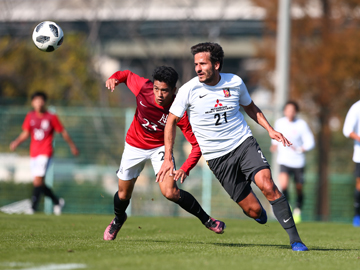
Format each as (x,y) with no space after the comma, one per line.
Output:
(41,129)
(147,128)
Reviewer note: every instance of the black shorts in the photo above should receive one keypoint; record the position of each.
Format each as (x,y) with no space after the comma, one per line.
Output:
(357,169)
(298,173)
(237,169)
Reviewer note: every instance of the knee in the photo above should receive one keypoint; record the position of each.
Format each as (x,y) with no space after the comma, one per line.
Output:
(124,195)
(38,181)
(269,189)
(172,194)
(254,211)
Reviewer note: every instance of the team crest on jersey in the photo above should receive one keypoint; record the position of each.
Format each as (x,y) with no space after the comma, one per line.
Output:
(45,124)
(218,104)
(226,92)
(163,119)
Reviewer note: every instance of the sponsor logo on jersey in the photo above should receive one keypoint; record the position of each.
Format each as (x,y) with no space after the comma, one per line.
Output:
(142,104)
(226,92)
(217,103)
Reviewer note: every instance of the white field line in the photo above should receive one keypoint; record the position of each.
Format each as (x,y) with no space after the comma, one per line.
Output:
(53,266)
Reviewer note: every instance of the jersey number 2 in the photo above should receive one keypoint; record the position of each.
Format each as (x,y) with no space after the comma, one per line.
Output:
(218,116)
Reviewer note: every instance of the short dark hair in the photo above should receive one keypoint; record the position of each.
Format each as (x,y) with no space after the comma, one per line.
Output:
(39,94)
(167,75)
(215,50)
(294,103)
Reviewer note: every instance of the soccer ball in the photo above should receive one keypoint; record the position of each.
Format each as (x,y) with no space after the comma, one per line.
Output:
(48,36)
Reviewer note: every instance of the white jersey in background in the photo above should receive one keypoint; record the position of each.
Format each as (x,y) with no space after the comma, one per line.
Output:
(352,124)
(214,115)
(300,135)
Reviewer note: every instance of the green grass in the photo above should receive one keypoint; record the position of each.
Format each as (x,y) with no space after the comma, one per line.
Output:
(29,242)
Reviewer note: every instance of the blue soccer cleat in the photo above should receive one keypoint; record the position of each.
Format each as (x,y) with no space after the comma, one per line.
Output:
(263,217)
(298,246)
(356,221)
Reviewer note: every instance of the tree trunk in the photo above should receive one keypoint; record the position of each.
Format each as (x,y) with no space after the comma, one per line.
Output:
(324,139)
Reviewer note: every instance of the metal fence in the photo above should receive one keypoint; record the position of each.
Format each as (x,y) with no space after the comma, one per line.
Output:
(88,182)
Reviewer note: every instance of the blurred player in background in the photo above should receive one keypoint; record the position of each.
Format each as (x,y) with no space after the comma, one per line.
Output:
(292,159)
(351,130)
(40,125)
(145,141)
(212,100)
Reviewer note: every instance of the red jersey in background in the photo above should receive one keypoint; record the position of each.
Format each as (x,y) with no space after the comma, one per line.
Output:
(41,129)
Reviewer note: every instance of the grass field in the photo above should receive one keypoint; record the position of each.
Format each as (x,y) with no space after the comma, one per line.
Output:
(75,241)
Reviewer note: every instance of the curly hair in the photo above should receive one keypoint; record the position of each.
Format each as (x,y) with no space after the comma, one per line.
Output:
(167,75)
(215,50)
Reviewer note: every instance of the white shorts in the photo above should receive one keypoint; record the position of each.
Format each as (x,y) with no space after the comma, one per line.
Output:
(133,161)
(39,165)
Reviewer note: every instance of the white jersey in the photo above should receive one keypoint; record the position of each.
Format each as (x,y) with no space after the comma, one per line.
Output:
(300,135)
(214,115)
(352,124)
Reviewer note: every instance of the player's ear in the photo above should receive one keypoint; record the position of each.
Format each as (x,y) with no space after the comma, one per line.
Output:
(174,90)
(217,65)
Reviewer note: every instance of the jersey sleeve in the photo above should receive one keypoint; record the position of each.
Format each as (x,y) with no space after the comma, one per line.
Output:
(245,98)
(55,122)
(351,121)
(181,102)
(26,124)
(195,153)
(132,80)
(307,138)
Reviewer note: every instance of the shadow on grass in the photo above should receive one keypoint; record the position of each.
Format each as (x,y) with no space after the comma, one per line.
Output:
(283,247)
(241,245)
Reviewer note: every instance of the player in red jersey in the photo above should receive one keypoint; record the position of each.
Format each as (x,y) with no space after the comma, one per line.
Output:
(40,125)
(145,141)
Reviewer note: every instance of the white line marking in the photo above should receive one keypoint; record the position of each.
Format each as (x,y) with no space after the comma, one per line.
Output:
(53,266)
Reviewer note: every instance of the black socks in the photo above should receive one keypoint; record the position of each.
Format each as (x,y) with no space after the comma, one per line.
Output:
(357,202)
(299,199)
(191,205)
(286,193)
(48,192)
(37,193)
(36,197)
(283,214)
(120,206)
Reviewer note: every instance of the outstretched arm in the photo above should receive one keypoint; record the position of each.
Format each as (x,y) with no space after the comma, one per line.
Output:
(195,153)
(256,114)
(132,80)
(22,137)
(354,136)
(169,133)
(69,141)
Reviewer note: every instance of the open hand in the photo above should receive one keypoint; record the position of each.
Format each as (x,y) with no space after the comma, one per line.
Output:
(168,165)
(111,83)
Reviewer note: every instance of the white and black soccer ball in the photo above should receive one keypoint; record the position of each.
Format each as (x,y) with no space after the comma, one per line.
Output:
(48,36)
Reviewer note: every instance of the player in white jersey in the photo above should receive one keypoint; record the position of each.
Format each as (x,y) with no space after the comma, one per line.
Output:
(212,101)
(292,159)
(352,130)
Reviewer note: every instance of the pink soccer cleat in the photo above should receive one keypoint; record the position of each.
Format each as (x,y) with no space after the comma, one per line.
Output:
(215,225)
(113,228)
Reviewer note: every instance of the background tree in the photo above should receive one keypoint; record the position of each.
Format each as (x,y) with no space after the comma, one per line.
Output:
(66,75)
(325,68)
